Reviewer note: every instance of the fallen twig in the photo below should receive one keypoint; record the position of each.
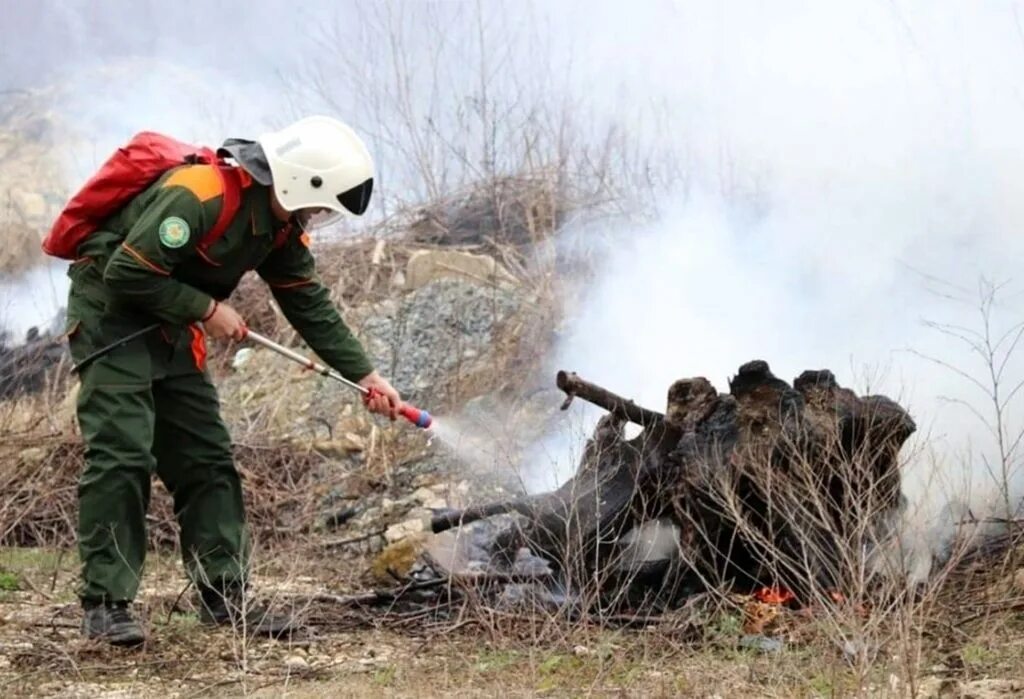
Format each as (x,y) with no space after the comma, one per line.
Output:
(393,593)
(1014,605)
(354,540)
(32,586)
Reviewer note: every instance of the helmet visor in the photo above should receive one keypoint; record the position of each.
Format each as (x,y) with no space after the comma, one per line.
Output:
(311,219)
(358,198)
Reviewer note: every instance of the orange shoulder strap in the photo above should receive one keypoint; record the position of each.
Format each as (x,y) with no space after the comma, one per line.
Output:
(232,179)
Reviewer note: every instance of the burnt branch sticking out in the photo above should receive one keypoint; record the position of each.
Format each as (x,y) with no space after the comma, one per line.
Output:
(618,406)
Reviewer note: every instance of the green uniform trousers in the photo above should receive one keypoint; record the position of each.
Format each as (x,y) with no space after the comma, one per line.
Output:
(146,408)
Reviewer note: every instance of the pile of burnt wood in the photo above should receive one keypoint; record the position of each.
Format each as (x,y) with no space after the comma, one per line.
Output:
(768,485)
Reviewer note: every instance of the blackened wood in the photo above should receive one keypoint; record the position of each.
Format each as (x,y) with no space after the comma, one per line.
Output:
(449,519)
(624,408)
(769,484)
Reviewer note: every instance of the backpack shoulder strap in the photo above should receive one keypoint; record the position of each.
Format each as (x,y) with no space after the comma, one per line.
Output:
(232,181)
(282,235)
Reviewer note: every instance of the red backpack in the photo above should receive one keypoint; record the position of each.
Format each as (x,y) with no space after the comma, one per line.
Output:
(126,174)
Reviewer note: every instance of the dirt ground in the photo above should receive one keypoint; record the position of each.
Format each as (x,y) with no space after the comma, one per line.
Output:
(42,653)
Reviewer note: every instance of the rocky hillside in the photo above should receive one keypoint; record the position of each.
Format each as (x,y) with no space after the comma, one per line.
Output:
(32,188)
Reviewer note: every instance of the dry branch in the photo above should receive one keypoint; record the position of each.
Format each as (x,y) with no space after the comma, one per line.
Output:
(394,593)
(449,519)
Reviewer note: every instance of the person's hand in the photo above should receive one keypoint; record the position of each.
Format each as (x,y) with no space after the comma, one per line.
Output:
(383,398)
(224,321)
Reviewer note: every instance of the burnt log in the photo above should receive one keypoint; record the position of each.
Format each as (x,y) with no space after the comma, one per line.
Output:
(768,484)
(447,519)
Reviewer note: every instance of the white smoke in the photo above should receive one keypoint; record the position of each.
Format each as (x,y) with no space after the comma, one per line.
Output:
(849,170)
(32,300)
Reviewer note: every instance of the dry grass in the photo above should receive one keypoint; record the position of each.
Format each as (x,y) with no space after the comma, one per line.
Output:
(486,652)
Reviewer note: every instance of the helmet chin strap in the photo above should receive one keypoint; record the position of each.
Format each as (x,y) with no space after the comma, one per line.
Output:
(301,218)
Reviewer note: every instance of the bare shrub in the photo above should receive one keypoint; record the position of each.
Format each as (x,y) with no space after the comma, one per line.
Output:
(284,489)
(995,377)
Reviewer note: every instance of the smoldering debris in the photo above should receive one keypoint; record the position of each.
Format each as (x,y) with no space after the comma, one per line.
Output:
(767,486)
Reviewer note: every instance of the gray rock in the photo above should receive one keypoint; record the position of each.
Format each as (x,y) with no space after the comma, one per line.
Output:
(765,644)
(296,663)
(530,597)
(992,689)
(528,564)
(425,266)
(426,342)
(428,338)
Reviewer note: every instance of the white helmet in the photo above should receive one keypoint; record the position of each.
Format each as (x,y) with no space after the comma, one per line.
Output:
(319,163)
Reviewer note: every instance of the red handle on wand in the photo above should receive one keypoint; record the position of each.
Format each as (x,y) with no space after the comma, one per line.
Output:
(417,416)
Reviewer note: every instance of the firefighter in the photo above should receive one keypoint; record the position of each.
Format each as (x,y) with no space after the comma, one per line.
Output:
(149,405)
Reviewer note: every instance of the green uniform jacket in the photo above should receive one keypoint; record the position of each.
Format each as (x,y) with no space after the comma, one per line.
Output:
(147,260)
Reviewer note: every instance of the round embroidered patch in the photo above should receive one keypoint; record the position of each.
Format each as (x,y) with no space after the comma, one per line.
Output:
(174,232)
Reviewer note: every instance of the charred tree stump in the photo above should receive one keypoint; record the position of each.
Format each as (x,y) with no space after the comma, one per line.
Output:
(769,484)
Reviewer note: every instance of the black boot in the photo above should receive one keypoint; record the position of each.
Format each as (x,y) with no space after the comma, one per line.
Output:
(111,622)
(230,605)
